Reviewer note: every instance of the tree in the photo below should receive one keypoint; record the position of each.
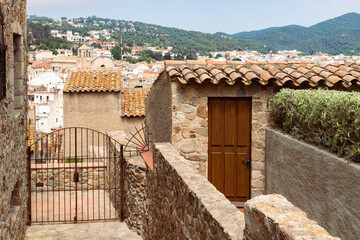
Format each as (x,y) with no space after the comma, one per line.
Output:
(116,52)
(158,56)
(131,60)
(237,59)
(96,45)
(218,56)
(167,56)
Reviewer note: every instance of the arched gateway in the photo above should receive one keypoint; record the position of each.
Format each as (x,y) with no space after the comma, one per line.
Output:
(75,174)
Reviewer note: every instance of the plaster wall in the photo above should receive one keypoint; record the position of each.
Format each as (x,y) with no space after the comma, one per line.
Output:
(324,186)
(99,111)
(158,111)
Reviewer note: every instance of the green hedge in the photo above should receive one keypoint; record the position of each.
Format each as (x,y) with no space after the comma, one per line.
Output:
(327,118)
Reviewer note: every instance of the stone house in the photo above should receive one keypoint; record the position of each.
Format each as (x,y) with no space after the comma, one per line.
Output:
(96,100)
(13,124)
(86,61)
(215,113)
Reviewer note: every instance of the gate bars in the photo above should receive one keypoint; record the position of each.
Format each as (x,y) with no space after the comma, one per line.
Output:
(75,174)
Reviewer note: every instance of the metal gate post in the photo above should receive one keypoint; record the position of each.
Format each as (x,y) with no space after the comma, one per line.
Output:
(122,181)
(29,184)
(76,178)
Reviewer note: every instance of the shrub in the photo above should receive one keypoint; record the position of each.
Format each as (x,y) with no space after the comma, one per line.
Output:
(327,118)
(72,160)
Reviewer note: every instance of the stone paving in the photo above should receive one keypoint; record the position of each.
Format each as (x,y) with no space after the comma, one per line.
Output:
(88,231)
(59,206)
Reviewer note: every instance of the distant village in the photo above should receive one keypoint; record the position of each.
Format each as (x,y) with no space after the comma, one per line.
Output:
(49,72)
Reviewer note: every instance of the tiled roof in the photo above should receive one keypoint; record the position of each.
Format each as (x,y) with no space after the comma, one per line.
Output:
(93,81)
(134,102)
(31,137)
(290,73)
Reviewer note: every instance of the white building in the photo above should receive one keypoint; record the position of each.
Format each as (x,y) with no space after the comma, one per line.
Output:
(48,102)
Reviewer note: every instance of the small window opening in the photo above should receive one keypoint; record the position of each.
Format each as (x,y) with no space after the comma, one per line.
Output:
(15,195)
(18,71)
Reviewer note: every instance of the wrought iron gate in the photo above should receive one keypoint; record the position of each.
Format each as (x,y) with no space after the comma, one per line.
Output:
(75,174)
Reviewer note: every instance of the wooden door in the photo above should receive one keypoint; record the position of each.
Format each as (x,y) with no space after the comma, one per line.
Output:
(229,146)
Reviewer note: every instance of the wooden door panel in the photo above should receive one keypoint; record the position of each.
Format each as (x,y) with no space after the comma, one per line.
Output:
(230,124)
(230,175)
(243,123)
(217,123)
(243,177)
(229,146)
(218,170)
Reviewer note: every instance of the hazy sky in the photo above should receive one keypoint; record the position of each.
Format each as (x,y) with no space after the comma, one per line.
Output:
(228,16)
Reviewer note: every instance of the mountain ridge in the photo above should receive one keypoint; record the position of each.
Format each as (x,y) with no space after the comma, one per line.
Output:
(336,35)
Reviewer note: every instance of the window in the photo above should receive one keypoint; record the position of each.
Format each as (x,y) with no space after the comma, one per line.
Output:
(19,71)
(2,59)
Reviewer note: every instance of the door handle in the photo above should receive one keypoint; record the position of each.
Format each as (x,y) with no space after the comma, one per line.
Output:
(247,160)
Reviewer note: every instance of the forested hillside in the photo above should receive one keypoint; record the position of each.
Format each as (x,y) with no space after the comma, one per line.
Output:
(143,34)
(39,35)
(335,36)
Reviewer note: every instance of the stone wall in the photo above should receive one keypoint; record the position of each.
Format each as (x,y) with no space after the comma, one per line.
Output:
(61,177)
(135,195)
(270,217)
(134,184)
(114,177)
(13,125)
(173,201)
(182,204)
(190,123)
(326,187)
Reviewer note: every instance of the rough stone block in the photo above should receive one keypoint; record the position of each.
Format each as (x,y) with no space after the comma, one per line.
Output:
(269,217)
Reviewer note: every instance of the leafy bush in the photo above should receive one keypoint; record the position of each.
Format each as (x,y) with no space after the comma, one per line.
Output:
(327,118)
(72,160)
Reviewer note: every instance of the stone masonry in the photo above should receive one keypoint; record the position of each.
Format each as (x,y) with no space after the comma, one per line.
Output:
(182,204)
(135,195)
(190,124)
(270,217)
(62,178)
(13,126)
(173,200)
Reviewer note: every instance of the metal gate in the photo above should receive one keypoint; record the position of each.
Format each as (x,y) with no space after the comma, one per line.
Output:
(75,174)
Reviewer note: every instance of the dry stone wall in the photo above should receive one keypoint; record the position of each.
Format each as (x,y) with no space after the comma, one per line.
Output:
(173,201)
(182,204)
(13,126)
(135,194)
(63,179)
(270,217)
(134,184)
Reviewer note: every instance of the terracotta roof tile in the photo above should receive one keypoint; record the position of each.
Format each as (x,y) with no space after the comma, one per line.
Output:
(134,102)
(93,81)
(296,73)
(31,137)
